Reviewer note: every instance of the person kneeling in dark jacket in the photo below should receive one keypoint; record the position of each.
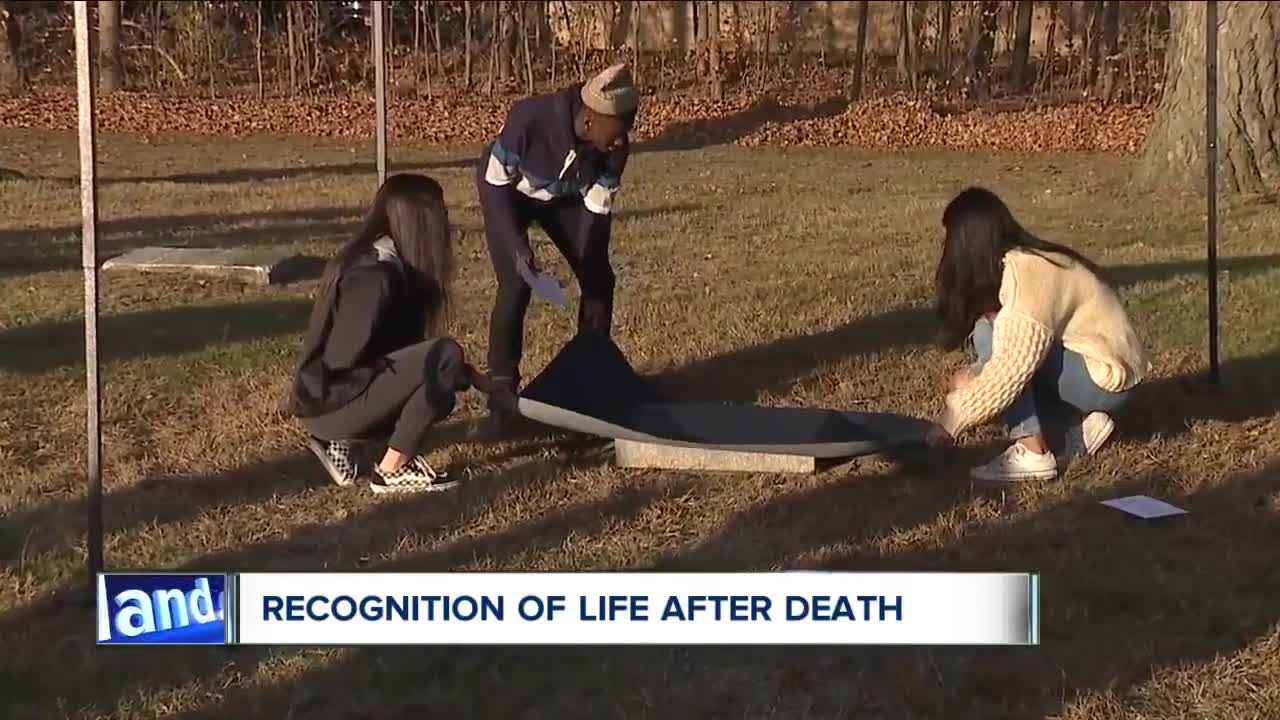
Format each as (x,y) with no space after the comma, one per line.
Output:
(375,361)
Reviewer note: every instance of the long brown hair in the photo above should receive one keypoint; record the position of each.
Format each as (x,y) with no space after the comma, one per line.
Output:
(980,229)
(410,209)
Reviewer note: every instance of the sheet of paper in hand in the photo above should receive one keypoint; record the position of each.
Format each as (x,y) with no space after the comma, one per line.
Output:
(544,286)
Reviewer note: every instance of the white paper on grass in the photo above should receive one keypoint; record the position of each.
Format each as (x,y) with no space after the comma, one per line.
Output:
(1147,508)
(544,286)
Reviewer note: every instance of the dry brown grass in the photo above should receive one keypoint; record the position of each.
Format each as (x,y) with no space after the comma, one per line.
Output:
(791,277)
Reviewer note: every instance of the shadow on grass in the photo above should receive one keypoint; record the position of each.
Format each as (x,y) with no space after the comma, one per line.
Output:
(159,499)
(239,175)
(1122,598)
(696,134)
(1249,389)
(1177,592)
(41,347)
(354,543)
(1100,570)
(47,249)
(1243,265)
(774,366)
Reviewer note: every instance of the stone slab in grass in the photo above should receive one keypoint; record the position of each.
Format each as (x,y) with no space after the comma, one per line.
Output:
(636,454)
(263,266)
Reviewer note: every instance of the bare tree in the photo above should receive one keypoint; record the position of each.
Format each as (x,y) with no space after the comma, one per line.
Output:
(984,40)
(1110,74)
(1248,105)
(1050,49)
(494,33)
(466,50)
(713,41)
(12,81)
(1092,46)
(257,50)
(860,52)
(289,11)
(907,45)
(766,22)
(524,42)
(436,21)
(1018,75)
(636,8)
(109,79)
(208,47)
(944,39)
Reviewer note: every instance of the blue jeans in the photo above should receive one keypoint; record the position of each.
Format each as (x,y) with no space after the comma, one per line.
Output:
(1061,383)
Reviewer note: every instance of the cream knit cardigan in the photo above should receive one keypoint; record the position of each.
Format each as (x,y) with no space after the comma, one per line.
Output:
(1040,302)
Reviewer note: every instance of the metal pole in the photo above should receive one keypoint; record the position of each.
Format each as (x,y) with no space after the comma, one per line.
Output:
(380,86)
(1211,174)
(89,262)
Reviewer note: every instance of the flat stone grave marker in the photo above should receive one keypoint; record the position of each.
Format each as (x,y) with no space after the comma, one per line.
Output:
(264,266)
(635,454)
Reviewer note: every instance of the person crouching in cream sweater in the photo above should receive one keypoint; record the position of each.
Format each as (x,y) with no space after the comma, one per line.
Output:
(1050,335)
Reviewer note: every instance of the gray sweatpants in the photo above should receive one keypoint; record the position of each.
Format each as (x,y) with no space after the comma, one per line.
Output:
(416,390)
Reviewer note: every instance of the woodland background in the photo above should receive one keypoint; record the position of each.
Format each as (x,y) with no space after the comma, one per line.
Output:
(1082,75)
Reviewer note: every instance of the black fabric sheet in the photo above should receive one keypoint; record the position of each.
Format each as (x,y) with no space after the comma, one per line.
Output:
(590,387)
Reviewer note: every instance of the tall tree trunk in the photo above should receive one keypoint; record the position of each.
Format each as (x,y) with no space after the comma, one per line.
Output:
(635,39)
(713,44)
(435,38)
(317,58)
(12,81)
(419,22)
(1092,46)
(108,46)
(1046,69)
(907,45)
(944,40)
(984,40)
(524,42)
(1248,101)
(208,47)
(490,82)
(904,43)
(1021,43)
(1111,50)
(424,61)
(419,26)
(859,52)
(293,47)
(466,48)
(766,19)
(257,51)
(503,31)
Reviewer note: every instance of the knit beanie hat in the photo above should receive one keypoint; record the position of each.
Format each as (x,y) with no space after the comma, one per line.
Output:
(611,92)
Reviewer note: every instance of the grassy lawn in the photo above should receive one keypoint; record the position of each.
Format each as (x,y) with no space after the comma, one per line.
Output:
(786,277)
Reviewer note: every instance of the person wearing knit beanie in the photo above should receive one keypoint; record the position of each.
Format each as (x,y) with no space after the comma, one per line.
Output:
(558,163)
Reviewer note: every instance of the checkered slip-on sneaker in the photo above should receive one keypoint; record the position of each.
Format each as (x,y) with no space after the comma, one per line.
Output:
(414,476)
(336,458)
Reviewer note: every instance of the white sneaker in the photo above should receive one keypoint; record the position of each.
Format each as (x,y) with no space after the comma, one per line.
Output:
(1096,429)
(1087,437)
(1016,464)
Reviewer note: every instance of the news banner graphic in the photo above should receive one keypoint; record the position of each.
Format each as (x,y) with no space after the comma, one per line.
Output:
(163,609)
(783,608)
